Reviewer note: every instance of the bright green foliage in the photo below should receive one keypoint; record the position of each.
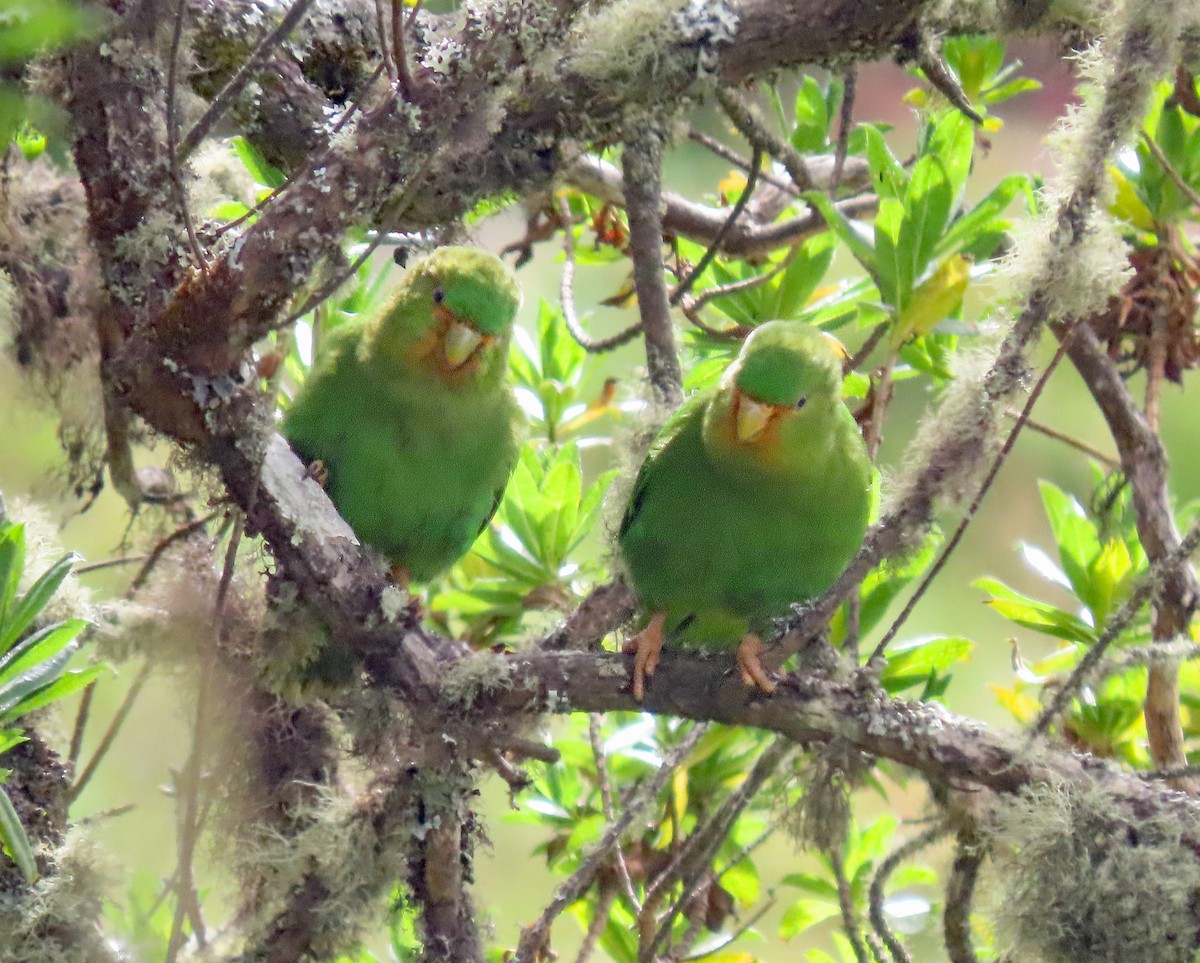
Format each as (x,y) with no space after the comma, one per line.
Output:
(29,28)
(1099,560)
(416,427)
(1147,195)
(549,378)
(33,665)
(526,558)
(986,79)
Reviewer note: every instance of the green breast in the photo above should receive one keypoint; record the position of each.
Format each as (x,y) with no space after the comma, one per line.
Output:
(414,467)
(725,551)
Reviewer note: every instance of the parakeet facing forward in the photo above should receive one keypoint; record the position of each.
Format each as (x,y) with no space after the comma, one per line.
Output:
(411,416)
(753,496)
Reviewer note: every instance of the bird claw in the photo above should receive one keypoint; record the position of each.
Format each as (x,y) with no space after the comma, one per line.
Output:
(317,471)
(750,665)
(645,647)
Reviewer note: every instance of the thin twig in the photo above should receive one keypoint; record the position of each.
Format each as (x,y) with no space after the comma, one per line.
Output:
(1107,460)
(173,137)
(534,937)
(691,861)
(160,547)
(711,252)
(110,734)
(81,721)
(960,891)
(404,78)
(642,164)
(693,302)
(610,814)
(738,933)
(745,118)
(258,56)
(566,294)
(852,363)
(878,919)
(728,154)
(850,923)
(969,515)
(109,563)
(845,119)
(597,925)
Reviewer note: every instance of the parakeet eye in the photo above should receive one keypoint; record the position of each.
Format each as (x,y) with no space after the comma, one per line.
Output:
(800,404)
(439,295)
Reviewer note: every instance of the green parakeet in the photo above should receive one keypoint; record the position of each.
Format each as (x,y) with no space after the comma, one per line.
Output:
(754,495)
(411,415)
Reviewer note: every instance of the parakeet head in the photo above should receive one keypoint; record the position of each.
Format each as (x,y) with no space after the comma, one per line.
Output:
(787,379)
(452,316)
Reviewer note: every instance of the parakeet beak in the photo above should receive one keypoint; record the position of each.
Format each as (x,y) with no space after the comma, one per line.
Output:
(460,343)
(752,417)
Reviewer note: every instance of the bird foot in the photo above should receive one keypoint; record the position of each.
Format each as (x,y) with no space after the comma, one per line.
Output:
(401,576)
(750,665)
(317,471)
(645,647)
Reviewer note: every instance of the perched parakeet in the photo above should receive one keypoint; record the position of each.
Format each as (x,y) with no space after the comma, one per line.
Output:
(753,496)
(410,413)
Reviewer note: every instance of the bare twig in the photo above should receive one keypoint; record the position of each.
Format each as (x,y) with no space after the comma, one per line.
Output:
(726,153)
(110,734)
(566,294)
(642,164)
(1081,446)
(745,118)
(960,891)
(606,800)
(404,78)
(850,922)
(877,898)
(969,515)
(690,863)
(257,58)
(701,223)
(173,135)
(707,258)
(845,119)
(534,937)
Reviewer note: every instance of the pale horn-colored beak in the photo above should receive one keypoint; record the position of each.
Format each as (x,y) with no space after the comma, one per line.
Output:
(460,342)
(752,418)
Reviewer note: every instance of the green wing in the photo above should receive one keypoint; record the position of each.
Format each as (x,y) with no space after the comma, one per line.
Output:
(691,409)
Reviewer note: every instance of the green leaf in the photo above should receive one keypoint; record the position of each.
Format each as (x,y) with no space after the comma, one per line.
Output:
(1035,615)
(887,173)
(1075,537)
(811,131)
(68,684)
(39,646)
(913,662)
(256,165)
(16,842)
(801,277)
(890,260)
(927,204)
(34,600)
(12,564)
(849,233)
(19,688)
(983,217)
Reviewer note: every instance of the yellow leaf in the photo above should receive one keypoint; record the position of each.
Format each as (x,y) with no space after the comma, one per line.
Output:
(933,299)
(1024,707)
(731,183)
(1127,205)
